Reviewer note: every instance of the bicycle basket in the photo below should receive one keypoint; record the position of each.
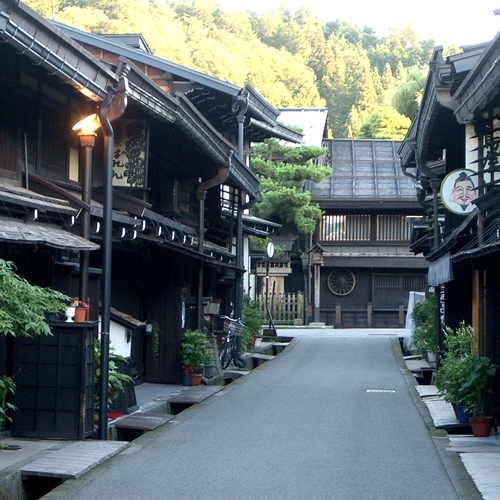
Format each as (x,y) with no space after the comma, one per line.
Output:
(236,327)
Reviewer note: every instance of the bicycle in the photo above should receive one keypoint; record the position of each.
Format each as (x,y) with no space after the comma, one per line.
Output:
(232,328)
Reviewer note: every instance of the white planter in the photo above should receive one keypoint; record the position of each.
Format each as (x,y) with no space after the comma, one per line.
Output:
(70,314)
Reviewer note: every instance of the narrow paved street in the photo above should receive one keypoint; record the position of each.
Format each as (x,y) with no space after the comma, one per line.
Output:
(332,417)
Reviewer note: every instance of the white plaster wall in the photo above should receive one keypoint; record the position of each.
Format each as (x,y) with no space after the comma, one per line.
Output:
(118,339)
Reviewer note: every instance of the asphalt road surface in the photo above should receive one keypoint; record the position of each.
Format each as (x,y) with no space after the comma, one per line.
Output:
(332,417)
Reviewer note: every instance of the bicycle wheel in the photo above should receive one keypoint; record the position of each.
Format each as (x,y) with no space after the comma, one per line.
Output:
(225,355)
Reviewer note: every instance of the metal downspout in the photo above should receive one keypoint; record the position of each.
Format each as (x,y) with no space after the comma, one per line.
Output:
(238,302)
(107,221)
(111,109)
(220,178)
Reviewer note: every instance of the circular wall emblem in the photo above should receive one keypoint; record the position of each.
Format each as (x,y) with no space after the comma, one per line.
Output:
(341,281)
(458,191)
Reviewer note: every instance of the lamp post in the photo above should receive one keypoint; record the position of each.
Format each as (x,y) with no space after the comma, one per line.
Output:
(111,109)
(86,132)
(316,260)
(269,256)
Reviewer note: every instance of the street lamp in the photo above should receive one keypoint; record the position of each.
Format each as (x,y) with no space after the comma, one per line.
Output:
(110,109)
(316,260)
(86,132)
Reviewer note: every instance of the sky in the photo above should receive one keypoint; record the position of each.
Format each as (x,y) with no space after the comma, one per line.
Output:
(454,23)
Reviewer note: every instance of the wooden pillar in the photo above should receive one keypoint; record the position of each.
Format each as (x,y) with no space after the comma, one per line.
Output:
(316,292)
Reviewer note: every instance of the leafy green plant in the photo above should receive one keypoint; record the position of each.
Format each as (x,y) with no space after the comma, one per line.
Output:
(464,377)
(260,244)
(7,387)
(253,319)
(23,306)
(193,350)
(477,372)
(23,310)
(449,379)
(209,358)
(424,329)
(458,345)
(116,378)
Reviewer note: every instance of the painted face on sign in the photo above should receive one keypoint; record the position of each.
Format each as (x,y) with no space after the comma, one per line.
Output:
(463,191)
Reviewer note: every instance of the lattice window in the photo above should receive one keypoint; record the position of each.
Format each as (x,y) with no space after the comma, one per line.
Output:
(345,228)
(391,290)
(393,228)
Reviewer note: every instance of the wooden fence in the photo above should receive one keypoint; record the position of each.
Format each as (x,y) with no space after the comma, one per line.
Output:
(285,308)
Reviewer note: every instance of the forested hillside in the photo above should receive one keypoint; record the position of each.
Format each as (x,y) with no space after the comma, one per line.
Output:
(370,84)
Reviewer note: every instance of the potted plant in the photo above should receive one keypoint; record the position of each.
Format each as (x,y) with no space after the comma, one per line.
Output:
(81,310)
(193,353)
(208,365)
(477,373)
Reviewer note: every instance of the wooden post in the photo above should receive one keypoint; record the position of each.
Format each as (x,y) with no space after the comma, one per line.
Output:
(401,316)
(316,292)
(369,314)
(338,316)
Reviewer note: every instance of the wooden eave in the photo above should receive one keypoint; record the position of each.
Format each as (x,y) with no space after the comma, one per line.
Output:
(357,204)
(432,113)
(126,320)
(171,77)
(374,262)
(455,238)
(42,42)
(481,85)
(110,47)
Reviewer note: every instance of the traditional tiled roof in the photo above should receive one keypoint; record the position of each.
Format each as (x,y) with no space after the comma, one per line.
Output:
(363,170)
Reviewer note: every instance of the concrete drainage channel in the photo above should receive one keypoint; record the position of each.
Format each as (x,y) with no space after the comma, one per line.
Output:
(35,478)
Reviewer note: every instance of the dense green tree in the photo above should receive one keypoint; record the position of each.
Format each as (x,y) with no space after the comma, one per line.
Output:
(387,77)
(348,83)
(385,123)
(406,99)
(282,171)
(292,58)
(354,123)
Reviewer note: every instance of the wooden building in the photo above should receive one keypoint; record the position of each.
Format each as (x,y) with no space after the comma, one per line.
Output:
(367,270)
(453,142)
(180,179)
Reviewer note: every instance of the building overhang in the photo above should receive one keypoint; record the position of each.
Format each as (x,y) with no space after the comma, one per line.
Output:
(23,232)
(374,261)
(42,42)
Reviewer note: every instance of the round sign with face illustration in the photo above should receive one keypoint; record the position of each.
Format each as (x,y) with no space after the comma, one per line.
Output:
(458,191)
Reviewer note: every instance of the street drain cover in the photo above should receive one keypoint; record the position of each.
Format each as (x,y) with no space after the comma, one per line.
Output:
(380,390)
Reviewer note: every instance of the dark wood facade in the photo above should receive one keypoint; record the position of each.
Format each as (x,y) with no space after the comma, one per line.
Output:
(179,185)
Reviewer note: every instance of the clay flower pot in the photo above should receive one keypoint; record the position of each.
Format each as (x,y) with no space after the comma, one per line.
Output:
(80,314)
(481,426)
